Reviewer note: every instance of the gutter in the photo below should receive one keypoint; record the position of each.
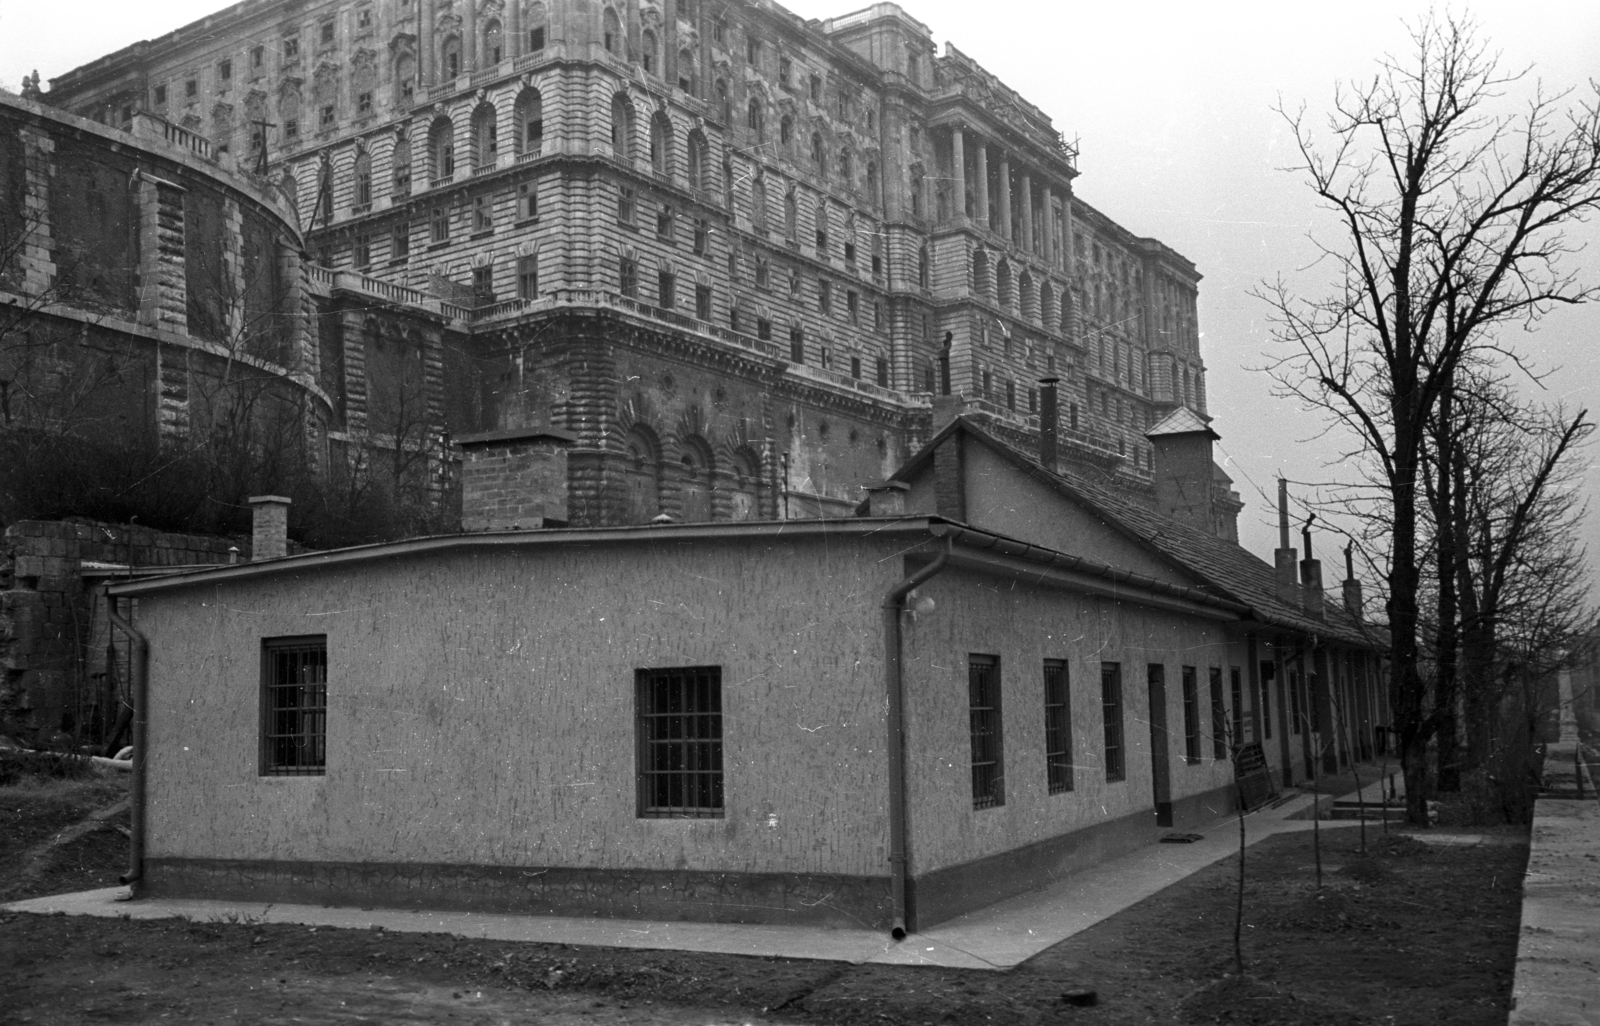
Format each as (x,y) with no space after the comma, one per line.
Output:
(894,681)
(141,731)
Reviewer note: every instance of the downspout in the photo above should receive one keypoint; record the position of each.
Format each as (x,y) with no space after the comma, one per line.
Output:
(895,682)
(141,723)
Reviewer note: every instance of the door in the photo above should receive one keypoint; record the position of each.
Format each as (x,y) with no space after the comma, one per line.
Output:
(1160,767)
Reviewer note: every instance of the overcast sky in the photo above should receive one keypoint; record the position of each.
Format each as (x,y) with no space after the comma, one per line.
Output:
(1171,106)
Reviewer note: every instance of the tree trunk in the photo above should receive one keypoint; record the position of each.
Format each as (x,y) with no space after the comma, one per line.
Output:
(1447,634)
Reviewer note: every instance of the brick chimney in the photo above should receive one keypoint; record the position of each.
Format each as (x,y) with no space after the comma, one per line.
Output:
(887,499)
(1049,422)
(1286,576)
(514,479)
(1352,587)
(1310,575)
(1183,469)
(269,527)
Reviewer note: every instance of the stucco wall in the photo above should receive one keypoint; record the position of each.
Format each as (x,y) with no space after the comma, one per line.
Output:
(481,708)
(1024,625)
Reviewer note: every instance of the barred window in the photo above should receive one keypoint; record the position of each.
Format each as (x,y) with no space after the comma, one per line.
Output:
(1057,726)
(1111,709)
(1219,715)
(1191,716)
(1236,689)
(294,704)
(680,742)
(988,768)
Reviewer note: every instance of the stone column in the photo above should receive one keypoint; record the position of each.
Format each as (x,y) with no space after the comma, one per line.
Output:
(469,45)
(1047,204)
(982,173)
(958,161)
(36,256)
(1004,228)
(1027,243)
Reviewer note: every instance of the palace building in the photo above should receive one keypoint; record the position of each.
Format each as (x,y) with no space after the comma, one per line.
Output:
(741,262)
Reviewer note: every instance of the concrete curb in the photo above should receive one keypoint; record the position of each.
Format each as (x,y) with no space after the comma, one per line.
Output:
(1558,949)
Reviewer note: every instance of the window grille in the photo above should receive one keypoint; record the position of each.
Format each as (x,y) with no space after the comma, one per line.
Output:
(294,704)
(1236,686)
(1219,714)
(988,770)
(680,742)
(1057,726)
(1191,716)
(1111,709)
(797,345)
(702,302)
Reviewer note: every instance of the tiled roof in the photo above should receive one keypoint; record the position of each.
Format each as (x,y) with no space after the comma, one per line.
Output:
(1182,421)
(1224,566)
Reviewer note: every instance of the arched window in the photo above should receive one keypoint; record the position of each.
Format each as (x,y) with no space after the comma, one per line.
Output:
(442,148)
(724,103)
(918,183)
(621,127)
(1026,295)
(847,168)
(872,182)
(755,120)
(643,476)
(485,136)
(290,189)
(661,143)
(1002,283)
(786,132)
(758,202)
(289,113)
(1047,305)
(647,52)
(400,163)
(534,20)
(699,153)
(1066,313)
(819,157)
(450,57)
(696,486)
(686,77)
(924,269)
(529,117)
(745,484)
(791,215)
(405,79)
(493,47)
(980,273)
(363,178)
(611,31)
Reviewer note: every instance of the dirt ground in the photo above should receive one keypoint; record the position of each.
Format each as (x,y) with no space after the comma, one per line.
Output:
(1409,934)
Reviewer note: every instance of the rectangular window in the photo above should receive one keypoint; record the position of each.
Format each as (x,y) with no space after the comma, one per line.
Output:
(680,742)
(400,247)
(850,253)
(1011,395)
(364,103)
(528,278)
(483,285)
(364,18)
(877,315)
(1264,708)
(824,296)
(763,274)
(1237,689)
(625,205)
(326,116)
(785,71)
(294,706)
(1057,726)
(362,252)
(629,277)
(883,373)
(752,51)
(528,201)
(822,242)
(983,701)
(161,95)
(1191,716)
(702,302)
(258,56)
(816,88)
(482,215)
(1111,710)
(824,358)
(1294,702)
(852,305)
(536,39)
(797,345)
(666,286)
(291,47)
(855,367)
(225,71)
(191,88)
(441,224)
(327,33)
(664,222)
(702,238)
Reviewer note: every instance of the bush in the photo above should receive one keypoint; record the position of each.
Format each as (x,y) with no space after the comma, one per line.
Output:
(16,763)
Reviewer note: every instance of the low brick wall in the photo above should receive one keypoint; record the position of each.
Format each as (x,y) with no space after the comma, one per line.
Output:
(53,630)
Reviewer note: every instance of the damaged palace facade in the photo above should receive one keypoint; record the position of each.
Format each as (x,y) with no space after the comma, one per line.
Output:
(747,262)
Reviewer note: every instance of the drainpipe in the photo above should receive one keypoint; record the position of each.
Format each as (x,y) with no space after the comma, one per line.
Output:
(895,681)
(141,725)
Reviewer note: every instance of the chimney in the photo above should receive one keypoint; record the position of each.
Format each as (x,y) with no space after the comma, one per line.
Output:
(514,479)
(887,499)
(1287,579)
(1310,574)
(269,528)
(1182,468)
(1049,426)
(1352,587)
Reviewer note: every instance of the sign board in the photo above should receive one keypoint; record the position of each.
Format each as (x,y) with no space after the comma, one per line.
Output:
(1252,776)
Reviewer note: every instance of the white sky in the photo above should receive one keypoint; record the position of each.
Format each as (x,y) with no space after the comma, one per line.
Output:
(1170,104)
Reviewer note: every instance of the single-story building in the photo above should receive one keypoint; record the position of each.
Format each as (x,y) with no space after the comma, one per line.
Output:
(994,676)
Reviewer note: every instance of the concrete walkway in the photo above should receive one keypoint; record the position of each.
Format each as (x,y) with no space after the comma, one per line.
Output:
(998,937)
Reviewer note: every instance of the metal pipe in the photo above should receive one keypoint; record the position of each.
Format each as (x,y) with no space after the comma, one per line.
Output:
(895,681)
(140,684)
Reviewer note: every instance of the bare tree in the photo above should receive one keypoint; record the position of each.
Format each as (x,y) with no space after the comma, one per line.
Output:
(1451,213)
